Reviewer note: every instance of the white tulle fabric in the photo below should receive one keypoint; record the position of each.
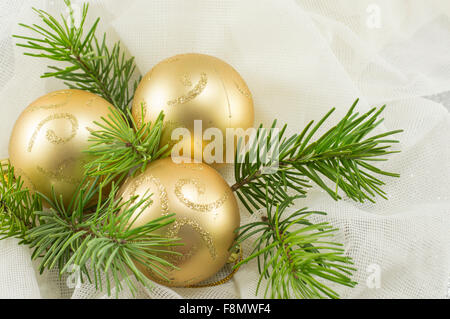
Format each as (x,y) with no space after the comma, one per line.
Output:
(299,58)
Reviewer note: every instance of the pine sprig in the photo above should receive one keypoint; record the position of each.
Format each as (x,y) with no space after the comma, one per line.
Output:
(17,205)
(92,235)
(93,66)
(342,156)
(99,240)
(293,254)
(120,146)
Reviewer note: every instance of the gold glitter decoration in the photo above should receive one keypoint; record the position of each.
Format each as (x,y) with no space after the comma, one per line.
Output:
(92,101)
(48,140)
(186,80)
(174,229)
(206,236)
(200,189)
(192,94)
(50,134)
(162,193)
(67,94)
(190,87)
(60,173)
(244,92)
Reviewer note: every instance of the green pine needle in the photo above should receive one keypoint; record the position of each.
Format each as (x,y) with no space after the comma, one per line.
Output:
(120,146)
(294,256)
(93,234)
(341,156)
(93,66)
(17,205)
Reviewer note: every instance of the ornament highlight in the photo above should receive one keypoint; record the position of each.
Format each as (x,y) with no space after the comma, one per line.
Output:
(190,87)
(206,216)
(48,139)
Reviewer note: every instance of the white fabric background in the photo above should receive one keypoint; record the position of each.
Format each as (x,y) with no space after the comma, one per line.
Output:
(299,58)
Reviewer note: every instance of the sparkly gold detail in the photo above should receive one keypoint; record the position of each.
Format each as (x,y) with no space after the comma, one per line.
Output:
(162,193)
(192,94)
(201,190)
(50,134)
(177,260)
(52,106)
(91,101)
(206,237)
(59,175)
(186,80)
(244,92)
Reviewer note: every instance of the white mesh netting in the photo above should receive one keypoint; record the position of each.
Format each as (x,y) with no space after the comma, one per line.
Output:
(299,58)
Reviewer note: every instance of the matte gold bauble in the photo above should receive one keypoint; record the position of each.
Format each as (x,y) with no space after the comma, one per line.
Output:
(206,216)
(190,87)
(48,139)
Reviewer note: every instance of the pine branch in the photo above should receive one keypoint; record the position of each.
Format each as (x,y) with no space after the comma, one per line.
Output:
(120,146)
(95,238)
(100,241)
(341,155)
(93,67)
(293,254)
(17,205)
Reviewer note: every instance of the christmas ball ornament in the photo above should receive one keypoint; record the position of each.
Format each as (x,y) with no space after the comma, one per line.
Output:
(48,139)
(189,87)
(206,216)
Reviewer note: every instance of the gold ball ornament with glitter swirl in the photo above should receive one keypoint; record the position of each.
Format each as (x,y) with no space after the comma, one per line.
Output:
(189,87)
(206,216)
(48,139)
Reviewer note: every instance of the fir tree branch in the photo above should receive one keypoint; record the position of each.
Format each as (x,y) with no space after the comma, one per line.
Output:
(101,242)
(98,238)
(120,146)
(341,155)
(17,205)
(293,254)
(93,67)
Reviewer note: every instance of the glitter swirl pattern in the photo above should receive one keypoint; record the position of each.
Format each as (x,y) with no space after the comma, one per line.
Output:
(50,134)
(59,173)
(162,193)
(244,92)
(205,236)
(200,189)
(192,94)
(52,106)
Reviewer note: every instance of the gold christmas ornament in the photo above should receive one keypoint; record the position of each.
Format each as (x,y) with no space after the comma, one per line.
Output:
(189,87)
(206,216)
(49,136)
